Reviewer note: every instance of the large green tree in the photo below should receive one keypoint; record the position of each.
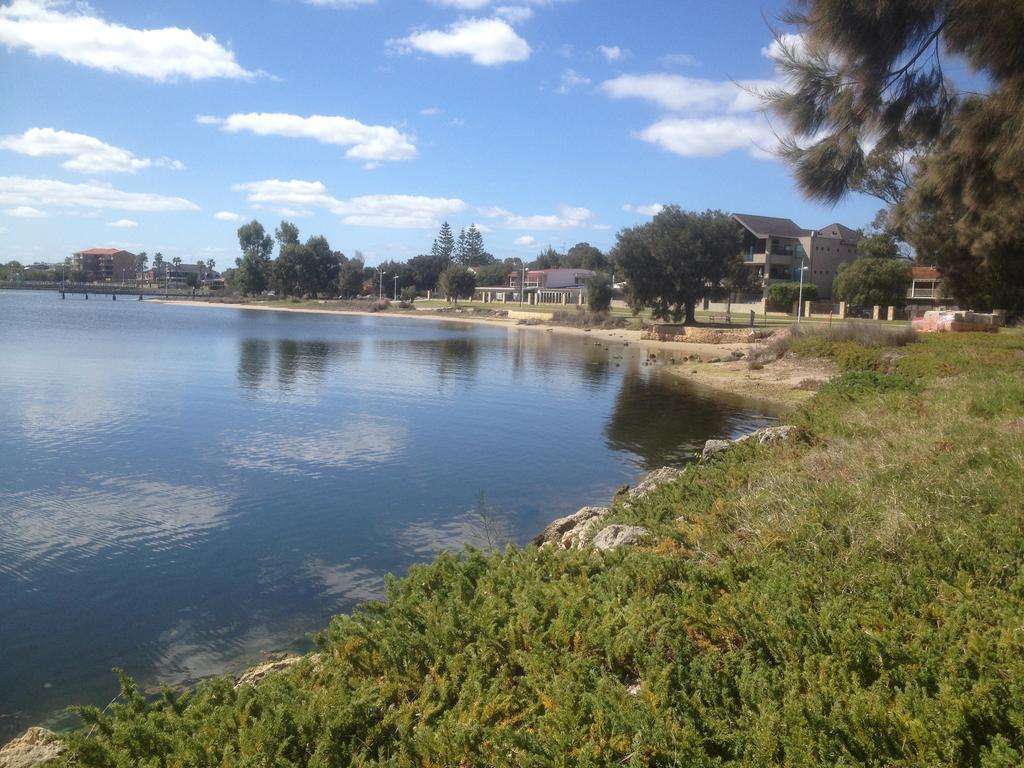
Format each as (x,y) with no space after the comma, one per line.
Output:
(869,107)
(253,268)
(495,274)
(870,280)
(586,256)
(676,259)
(426,270)
(457,282)
(549,258)
(350,277)
(286,234)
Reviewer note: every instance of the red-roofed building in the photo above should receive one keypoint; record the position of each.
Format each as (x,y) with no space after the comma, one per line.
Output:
(105,265)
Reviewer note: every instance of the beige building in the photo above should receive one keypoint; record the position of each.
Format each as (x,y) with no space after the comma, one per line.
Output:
(776,248)
(105,265)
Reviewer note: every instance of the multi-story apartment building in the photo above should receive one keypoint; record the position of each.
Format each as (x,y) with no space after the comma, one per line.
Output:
(775,249)
(105,265)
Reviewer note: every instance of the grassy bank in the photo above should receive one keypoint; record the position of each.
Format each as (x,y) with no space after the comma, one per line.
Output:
(852,598)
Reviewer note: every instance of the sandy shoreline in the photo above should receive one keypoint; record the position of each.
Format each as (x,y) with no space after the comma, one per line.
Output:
(784,383)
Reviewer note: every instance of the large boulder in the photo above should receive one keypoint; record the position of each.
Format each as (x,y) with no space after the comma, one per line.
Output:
(570,531)
(35,747)
(652,481)
(769,435)
(617,535)
(764,436)
(715,447)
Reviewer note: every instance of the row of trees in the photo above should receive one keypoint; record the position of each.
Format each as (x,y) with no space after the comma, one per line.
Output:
(309,269)
(669,265)
(455,265)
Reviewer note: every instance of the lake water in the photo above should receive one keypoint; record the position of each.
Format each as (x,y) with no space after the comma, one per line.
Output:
(184,489)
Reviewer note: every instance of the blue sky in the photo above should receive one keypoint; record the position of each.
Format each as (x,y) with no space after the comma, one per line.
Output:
(162,126)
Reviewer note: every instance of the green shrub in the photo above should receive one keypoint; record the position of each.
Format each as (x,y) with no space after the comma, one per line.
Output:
(599,293)
(859,384)
(784,295)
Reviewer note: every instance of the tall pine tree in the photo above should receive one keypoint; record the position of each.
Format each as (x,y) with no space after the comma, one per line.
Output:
(473,253)
(460,248)
(444,244)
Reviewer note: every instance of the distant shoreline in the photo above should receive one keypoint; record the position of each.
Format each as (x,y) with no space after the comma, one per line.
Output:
(729,376)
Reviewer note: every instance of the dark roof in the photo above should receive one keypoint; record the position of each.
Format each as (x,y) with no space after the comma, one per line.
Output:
(839,231)
(769,226)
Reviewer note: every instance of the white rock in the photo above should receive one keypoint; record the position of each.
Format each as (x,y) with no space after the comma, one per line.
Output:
(34,747)
(617,535)
(715,447)
(568,531)
(653,480)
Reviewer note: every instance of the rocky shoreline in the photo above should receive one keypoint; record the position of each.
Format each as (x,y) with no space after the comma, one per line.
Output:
(584,527)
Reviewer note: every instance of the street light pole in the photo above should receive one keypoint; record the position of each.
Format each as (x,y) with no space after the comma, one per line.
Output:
(396,288)
(522,284)
(800,295)
(380,287)
(800,299)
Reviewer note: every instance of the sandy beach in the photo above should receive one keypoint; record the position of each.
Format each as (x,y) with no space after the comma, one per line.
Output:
(785,382)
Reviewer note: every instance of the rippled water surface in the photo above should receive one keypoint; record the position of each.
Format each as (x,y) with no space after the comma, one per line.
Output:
(184,489)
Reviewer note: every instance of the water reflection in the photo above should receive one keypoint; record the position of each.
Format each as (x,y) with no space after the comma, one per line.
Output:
(55,527)
(664,420)
(253,362)
(301,366)
(365,441)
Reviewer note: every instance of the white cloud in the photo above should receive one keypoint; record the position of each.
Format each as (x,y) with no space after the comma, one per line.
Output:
(398,211)
(566,218)
(87,154)
(571,79)
(712,136)
(463,5)
(20,191)
(653,209)
(611,52)
(430,111)
(372,143)
(787,40)
(514,14)
(25,212)
(687,94)
(679,60)
(226,216)
(123,224)
(79,37)
(339,3)
(525,241)
(487,42)
(712,116)
(385,211)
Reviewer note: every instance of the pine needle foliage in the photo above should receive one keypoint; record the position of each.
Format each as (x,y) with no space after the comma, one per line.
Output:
(854,598)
